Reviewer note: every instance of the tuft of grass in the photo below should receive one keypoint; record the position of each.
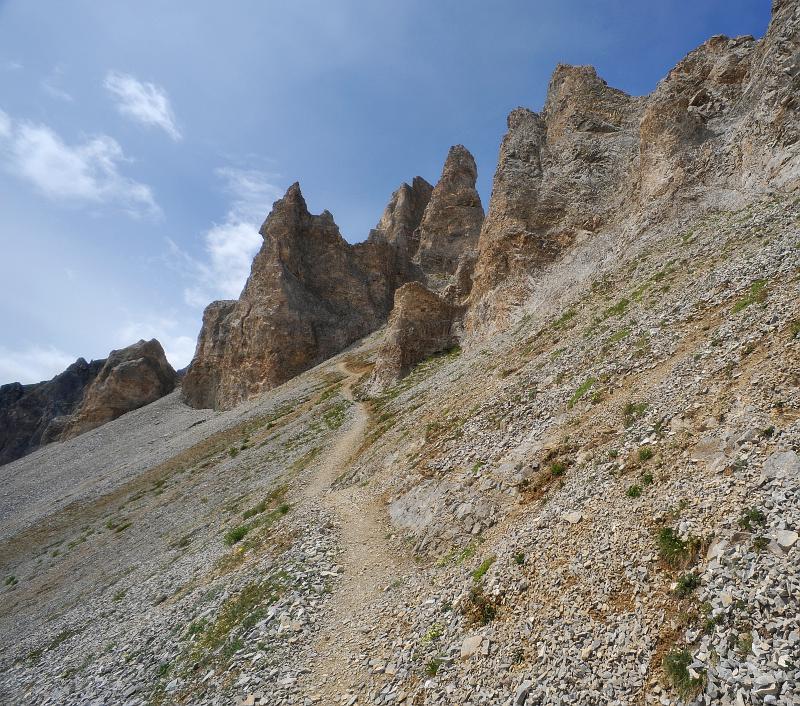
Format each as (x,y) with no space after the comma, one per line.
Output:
(479,608)
(755,295)
(434,633)
(480,572)
(565,319)
(519,558)
(557,469)
(233,452)
(235,534)
(752,516)
(632,412)
(794,328)
(686,584)
(645,453)
(236,617)
(619,335)
(634,491)
(676,667)
(617,310)
(674,551)
(581,391)
(760,543)
(647,478)
(432,667)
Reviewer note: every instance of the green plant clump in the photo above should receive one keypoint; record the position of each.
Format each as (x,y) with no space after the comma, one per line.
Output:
(235,534)
(634,491)
(752,516)
(686,584)
(645,453)
(676,667)
(557,469)
(755,295)
(673,550)
(633,412)
(581,391)
(480,572)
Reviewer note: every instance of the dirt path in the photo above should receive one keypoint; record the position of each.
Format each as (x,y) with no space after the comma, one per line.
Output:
(369,563)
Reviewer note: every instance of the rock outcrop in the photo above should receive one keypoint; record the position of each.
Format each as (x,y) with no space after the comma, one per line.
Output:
(720,129)
(33,415)
(421,324)
(309,295)
(83,397)
(452,220)
(130,378)
(426,318)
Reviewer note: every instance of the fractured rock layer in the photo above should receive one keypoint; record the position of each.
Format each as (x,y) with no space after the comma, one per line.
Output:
(130,378)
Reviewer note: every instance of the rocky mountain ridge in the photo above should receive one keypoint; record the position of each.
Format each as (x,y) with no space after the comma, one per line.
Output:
(81,398)
(570,479)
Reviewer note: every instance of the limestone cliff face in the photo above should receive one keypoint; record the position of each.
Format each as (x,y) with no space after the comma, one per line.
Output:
(83,397)
(452,220)
(130,378)
(426,318)
(31,415)
(309,295)
(721,128)
(421,324)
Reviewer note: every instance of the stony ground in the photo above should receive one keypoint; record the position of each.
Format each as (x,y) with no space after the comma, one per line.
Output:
(599,505)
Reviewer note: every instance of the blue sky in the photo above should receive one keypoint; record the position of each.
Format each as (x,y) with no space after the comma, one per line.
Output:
(143,143)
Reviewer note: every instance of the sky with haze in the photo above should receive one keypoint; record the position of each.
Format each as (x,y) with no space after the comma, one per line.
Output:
(143,143)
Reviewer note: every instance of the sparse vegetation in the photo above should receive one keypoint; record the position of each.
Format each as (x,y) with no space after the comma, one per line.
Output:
(686,584)
(236,534)
(756,294)
(581,391)
(479,608)
(557,469)
(674,551)
(432,667)
(434,633)
(752,516)
(632,412)
(647,478)
(479,573)
(634,491)
(519,558)
(645,453)
(564,319)
(676,667)
(233,452)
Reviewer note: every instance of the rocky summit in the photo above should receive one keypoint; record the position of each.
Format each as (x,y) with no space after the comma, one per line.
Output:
(546,457)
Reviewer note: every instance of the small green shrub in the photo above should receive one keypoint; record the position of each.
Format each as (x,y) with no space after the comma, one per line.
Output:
(645,454)
(647,478)
(794,328)
(752,516)
(755,295)
(676,667)
(760,543)
(632,412)
(233,452)
(581,391)
(435,632)
(557,469)
(480,572)
(479,608)
(11,581)
(745,643)
(432,667)
(673,550)
(519,558)
(634,491)
(686,584)
(283,508)
(236,534)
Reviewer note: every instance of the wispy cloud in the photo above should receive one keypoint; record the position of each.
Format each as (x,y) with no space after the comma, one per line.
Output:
(32,363)
(143,102)
(84,173)
(11,66)
(230,245)
(51,88)
(178,348)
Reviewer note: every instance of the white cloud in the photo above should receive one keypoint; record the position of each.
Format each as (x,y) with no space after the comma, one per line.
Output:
(55,92)
(144,102)
(50,85)
(178,348)
(230,245)
(87,172)
(11,66)
(32,364)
